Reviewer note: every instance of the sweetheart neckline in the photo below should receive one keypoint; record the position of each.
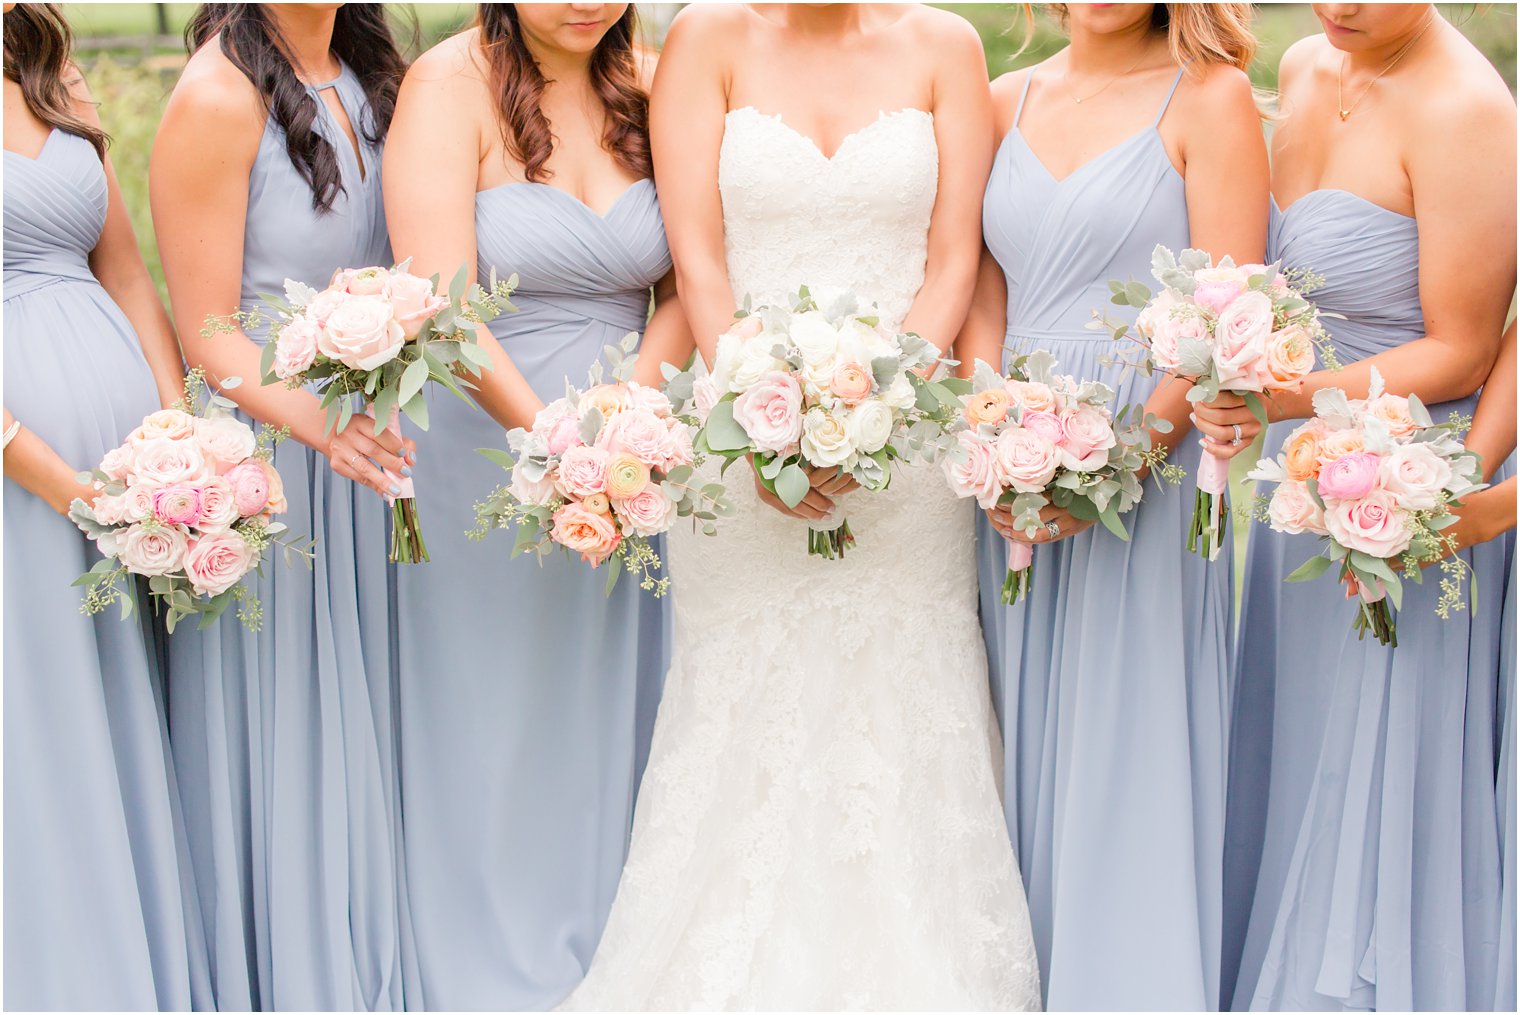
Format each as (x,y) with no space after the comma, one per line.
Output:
(603,215)
(1336,190)
(882,116)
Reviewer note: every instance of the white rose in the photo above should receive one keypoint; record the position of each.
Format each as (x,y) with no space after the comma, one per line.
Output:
(526,491)
(170,423)
(756,359)
(825,439)
(900,394)
(870,426)
(1415,475)
(814,336)
(164,460)
(219,506)
(225,440)
(152,550)
(137,502)
(362,333)
(725,362)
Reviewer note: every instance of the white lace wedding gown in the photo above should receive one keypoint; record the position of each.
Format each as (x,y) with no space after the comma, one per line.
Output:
(819,826)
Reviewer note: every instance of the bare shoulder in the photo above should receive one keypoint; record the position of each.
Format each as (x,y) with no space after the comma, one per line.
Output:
(950,37)
(1461,94)
(645,61)
(1006,90)
(214,99)
(708,26)
(1217,92)
(1300,59)
(456,59)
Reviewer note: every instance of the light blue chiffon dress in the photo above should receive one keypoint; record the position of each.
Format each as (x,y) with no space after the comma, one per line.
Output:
(527,695)
(1504,987)
(1111,677)
(285,739)
(100,909)
(1362,855)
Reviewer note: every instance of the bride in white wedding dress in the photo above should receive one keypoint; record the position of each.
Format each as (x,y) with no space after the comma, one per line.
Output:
(819,826)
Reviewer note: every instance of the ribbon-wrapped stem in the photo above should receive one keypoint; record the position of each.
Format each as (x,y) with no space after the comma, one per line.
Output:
(407,546)
(1373,614)
(1206,533)
(1020,572)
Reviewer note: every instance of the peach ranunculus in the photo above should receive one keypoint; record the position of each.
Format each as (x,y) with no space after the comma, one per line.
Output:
(851,382)
(277,504)
(1339,443)
(217,561)
(1290,357)
(1301,453)
(413,302)
(594,536)
(362,333)
(626,476)
(989,407)
(1032,395)
(1394,411)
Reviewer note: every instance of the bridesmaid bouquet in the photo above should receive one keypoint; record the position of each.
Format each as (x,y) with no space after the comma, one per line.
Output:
(1376,478)
(1037,438)
(819,384)
(600,472)
(189,502)
(380,334)
(1246,330)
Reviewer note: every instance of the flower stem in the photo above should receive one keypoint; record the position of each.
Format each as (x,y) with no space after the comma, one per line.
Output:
(831,544)
(407,546)
(1206,531)
(1016,584)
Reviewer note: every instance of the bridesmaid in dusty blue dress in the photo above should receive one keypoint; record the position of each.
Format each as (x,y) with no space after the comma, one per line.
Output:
(527,695)
(99,907)
(1111,678)
(285,737)
(1363,844)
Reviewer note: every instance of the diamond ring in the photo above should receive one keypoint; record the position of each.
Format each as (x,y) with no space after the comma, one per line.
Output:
(1054,528)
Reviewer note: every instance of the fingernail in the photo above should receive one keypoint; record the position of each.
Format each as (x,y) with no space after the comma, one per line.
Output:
(406,470)
(395,490)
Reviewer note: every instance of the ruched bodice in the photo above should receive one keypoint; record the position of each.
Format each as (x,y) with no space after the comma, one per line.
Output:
(55,208)
(580,275)
(283,235)
(1062,240)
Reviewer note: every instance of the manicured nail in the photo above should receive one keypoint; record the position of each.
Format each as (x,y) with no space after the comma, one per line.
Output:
(395,490)
(406,470)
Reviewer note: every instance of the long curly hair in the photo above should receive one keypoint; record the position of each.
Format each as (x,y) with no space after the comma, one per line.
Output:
(361,39)
(518,84)
(38,49)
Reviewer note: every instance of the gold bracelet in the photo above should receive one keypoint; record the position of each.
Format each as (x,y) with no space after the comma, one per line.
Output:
(10,433)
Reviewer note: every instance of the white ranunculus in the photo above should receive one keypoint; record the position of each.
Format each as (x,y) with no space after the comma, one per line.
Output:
(814,336)
(870,426)
(899,394)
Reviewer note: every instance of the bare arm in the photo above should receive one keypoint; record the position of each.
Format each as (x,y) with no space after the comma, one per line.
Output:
(198,184)
(668,338)
(117,262)
(985,332)
(1489,513)
(686,113)
(432,159)
(41,471)
(962,107)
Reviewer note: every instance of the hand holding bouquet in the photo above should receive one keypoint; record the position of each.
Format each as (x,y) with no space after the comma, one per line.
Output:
(189,502)
(820,384)
(1246,330)
(380,334)
(599,473)
(1377,479)
(1037,438)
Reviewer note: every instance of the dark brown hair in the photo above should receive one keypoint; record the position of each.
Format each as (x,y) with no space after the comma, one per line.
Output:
(518,83)
(38,49)
(361,39)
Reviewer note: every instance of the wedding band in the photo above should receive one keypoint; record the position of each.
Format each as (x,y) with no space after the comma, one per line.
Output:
(1054,528)
(1236,441)
(353,461)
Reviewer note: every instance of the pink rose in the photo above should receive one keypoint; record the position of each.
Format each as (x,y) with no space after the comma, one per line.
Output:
(1293,510)
(151,549)
(295,349)
(219,506)
(1374,525)
(678,449)
(594,536)
(1290,357)
(1394,411)
(413,302)
(527,491)
(1026,461)
(1047,424)
(225,441)
(1089,435)
(250,488)
(165,460)
(1240,339)
(177,504)
(109,510)
(165,424)
(705,394)
(560,425)
(851,382)
(1415,475)
(217,561)
(118,462)
(635,432)
(362,333)
(362,281)
(1349,477)
(1219,287)
(1165,330)
(771,411)
(609,399)
(976,474)
(647,513)
(1032,395)
(323,304)
(582,471)
(650,400)
(276,486)
(137,502)
(746,328)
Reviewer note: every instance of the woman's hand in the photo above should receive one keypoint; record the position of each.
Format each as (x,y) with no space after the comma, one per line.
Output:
(818,502)
(356,453)
(1484,515)
(1227,424)
(1066,523)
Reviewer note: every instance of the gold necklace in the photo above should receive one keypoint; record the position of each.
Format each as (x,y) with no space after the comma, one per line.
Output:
(1079,100)
(1340,101)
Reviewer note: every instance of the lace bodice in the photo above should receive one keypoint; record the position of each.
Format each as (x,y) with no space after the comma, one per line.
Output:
(792,216)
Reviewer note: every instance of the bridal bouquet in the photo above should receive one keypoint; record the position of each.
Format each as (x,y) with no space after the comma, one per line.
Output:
(1246,330)
(819,384)
(380,334)
(189,502)
(1376,478)
(600,472)
(1037,438)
